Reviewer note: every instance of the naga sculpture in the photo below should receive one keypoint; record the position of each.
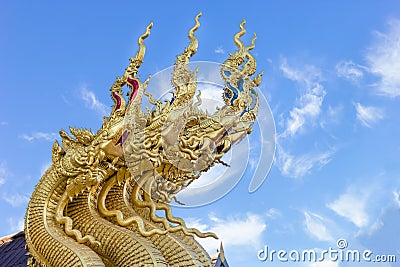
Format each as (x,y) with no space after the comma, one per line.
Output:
(99,203)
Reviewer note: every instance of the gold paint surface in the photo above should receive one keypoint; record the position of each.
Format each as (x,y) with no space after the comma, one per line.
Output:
(96,205)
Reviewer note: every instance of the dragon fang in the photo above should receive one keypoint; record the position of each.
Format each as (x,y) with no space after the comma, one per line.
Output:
(96,205)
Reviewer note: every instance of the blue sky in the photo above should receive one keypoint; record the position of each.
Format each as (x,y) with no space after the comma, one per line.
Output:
(332,80)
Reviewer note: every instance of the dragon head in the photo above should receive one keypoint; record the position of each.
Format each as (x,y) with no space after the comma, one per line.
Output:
(176,141)
(136,163)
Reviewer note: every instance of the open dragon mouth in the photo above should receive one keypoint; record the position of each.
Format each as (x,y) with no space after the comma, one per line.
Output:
(223,145)
(133,84)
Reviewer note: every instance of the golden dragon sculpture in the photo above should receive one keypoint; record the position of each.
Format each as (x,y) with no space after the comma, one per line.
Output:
(99,203)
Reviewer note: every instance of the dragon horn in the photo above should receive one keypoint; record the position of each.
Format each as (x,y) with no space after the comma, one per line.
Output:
(237,36)
(131,70)
(249,67)
(185,88)
(133,67)
(250,47)
(142,47)
(236,59)
(192,47)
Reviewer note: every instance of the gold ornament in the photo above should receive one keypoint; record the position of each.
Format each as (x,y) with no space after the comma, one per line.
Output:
(96,205)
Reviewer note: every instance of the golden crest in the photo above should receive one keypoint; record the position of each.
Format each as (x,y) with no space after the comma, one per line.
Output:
(97,203)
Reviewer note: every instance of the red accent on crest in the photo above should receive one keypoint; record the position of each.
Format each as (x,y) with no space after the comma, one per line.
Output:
(135,88)
(118,100)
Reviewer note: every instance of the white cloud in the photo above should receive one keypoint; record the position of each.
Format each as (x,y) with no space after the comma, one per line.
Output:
(315,225)
(219,50)
(376,226)
(396,196)
(334,112)
(298,166)
(15,200)
(308,74)
(3,173)
(332,116)
(308,105)
(368,115)
(304,114)
(325,263)
(350,71)
(211,97)
(240,231)
(273,213)
(16,225)
(253,162)
(383,59)
(93,103)
(3,123)
(352,205)
(39,135)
